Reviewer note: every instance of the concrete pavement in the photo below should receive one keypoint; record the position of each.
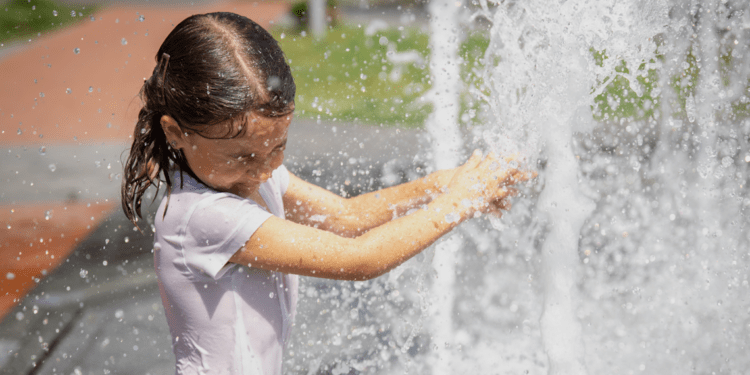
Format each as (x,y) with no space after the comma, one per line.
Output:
(100,310)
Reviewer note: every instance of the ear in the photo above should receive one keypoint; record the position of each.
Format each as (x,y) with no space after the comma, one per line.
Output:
(175,136)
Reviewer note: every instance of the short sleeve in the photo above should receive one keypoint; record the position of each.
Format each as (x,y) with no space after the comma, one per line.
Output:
(219,226)
(281,174)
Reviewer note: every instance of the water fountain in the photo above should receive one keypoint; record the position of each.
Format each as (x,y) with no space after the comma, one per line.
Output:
(628,255)
(614,261)
(542,91)
(446,141)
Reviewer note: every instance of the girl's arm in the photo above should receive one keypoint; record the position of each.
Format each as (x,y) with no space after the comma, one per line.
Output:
(311,205)
(281,245)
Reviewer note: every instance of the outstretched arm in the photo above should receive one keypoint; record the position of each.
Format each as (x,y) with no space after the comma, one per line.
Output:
(311,205)
(281,245)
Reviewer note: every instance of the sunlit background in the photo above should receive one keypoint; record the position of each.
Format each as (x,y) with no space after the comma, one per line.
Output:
(628,254)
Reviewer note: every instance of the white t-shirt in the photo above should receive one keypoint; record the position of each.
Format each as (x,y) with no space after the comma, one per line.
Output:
(224,318)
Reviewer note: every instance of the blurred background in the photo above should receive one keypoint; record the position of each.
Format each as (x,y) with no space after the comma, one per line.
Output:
(634,113)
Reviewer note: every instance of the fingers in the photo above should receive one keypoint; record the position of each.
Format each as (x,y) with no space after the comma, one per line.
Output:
(515,176)
(512,157)
(504,204)
(501,205)
(497,207)
(505,192)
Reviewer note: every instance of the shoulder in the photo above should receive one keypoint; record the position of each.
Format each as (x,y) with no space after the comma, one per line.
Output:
(176,204)
(193,204)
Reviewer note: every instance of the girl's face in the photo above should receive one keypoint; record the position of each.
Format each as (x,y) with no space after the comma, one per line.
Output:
(236,165)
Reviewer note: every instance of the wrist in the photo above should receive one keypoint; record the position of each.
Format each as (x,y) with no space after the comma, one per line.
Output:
(453,207)
(439,180)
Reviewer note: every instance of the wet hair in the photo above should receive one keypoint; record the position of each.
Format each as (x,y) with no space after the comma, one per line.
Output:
(212,70)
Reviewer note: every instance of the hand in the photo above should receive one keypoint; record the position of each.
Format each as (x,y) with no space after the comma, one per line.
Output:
(497,207)
(484,184)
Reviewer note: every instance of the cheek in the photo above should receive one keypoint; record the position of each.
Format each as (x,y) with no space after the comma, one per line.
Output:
(277,159)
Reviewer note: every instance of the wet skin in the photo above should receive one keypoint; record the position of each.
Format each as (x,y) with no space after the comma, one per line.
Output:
(360,237)
(236,165)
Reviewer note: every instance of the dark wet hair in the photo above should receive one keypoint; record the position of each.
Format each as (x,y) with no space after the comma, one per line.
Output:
(212,69)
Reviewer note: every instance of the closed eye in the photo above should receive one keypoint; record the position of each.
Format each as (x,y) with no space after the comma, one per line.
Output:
(245,157)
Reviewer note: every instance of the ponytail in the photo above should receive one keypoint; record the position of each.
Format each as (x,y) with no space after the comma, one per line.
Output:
(151,157)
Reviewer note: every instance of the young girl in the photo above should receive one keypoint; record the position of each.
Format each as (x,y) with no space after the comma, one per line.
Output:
(235,226)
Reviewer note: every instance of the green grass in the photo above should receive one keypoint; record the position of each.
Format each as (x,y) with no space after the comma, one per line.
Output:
(23,19)
(618,100)
(347,76)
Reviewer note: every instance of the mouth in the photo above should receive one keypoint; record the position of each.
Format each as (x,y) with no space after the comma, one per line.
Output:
(261,176)
(264,176)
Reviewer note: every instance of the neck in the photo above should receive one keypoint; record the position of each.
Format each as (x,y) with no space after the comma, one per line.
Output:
(248,190)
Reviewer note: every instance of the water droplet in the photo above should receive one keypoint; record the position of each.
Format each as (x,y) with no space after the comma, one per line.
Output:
(41,94)
(119,314)
(47,215)
(52,167)
(726,162)
(19,316)
(19,131)
(383,40)
(43,150)
(104,263)
(143,130)
(68,90)
(270,295)
(72,13)
(106,241)
(92,18)
(83,273)
(10,276)
(141,18)
(452,217)
(127,239)
(76,50)
(124,41)
(54,13)
(91,88)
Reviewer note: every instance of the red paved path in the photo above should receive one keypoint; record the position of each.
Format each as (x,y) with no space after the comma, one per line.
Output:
(116,52)
(103,78)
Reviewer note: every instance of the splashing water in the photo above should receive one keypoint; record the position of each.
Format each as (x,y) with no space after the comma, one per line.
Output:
(541,93)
